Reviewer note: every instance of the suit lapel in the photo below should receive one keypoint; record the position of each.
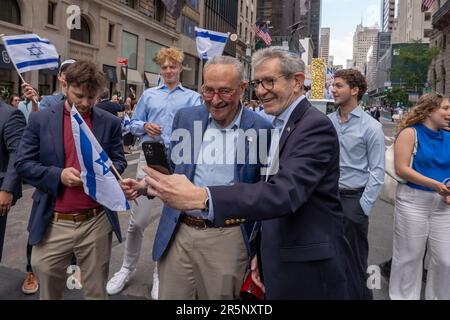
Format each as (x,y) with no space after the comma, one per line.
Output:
(203,116)
(57,132)
(296,115)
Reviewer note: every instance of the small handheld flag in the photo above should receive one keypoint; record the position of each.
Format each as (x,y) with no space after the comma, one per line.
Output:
(98,180)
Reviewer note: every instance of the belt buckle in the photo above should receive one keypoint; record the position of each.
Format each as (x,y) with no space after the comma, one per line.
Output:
(204,227)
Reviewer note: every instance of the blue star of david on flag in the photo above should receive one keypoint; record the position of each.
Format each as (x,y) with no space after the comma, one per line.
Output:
(102,161)
(35,51)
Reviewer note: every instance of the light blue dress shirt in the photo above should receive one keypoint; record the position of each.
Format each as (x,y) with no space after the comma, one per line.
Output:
(362,148)
(159,105)
(214,148)
(26,108)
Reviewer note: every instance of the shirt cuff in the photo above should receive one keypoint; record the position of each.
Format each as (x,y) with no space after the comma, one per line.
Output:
(367,207)
(210,212)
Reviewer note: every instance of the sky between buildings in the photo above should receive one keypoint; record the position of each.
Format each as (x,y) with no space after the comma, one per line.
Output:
(342,16)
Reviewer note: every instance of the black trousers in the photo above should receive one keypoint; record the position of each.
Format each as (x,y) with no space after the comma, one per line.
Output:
(356,227)
(2,233)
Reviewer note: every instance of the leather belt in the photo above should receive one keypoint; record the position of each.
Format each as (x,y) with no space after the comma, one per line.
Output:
(351,191)
(79,216)
(198,223)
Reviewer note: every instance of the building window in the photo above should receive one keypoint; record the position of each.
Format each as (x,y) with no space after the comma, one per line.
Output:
(240,29)
(427,33)
(83,34)
(111,33)
(444,41)
(129,48)
(10,12)
(427,16)
(129,3)
(246,12)
(151,49)
(159,10)
(188,26)
(51,13)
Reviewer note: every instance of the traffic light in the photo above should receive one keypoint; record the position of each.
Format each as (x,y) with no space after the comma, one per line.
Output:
(387,90)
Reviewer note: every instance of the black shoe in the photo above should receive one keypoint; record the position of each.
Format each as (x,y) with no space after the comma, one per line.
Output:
(385,269)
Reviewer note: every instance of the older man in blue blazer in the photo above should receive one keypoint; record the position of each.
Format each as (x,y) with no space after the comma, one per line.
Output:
(64,220)
(303,251)
(195,259)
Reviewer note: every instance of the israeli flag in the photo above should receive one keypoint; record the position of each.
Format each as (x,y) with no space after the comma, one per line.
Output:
(126,123)
(210,43)
(98,180)
(30,52)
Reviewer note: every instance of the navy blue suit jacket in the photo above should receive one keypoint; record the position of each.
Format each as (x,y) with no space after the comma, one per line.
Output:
(303,252)
(40,161)
(249,173)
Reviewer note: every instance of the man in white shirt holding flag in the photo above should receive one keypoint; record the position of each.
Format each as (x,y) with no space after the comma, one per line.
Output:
(67,153)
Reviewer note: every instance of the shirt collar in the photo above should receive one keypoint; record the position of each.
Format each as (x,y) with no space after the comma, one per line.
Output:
(236,123)
(357,112)
(279,121)
(179,86)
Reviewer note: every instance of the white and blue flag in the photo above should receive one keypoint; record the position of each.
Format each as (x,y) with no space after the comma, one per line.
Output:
(98,181)
(30,52)
(210,43)
(126,123)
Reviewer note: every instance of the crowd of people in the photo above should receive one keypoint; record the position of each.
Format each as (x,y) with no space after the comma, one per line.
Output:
(295,221)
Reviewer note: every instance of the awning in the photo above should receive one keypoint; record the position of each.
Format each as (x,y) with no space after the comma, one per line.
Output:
(5,61)
(110,73)
(151,78)
(133,76)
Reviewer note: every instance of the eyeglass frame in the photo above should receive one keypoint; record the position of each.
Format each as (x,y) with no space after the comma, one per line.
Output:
(255,83)
(216,91)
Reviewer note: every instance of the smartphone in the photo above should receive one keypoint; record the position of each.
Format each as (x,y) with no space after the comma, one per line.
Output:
(156,156)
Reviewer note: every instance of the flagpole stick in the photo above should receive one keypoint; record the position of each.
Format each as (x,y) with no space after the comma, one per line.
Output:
(121,179)
(23,81)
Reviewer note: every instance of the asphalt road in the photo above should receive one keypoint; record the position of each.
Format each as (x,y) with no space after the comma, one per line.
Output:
(12,268)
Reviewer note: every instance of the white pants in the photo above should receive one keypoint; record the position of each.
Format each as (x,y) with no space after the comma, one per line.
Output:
(420,216)
(140,219)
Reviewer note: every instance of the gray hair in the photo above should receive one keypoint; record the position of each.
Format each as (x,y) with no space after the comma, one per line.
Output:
(227,60)
(290,62)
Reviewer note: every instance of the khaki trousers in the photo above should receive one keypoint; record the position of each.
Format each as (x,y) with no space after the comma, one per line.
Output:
(206,264)
(90,241)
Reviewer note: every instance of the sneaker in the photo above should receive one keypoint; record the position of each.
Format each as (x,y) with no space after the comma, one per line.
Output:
(118,281)
(30,284)
(155,286)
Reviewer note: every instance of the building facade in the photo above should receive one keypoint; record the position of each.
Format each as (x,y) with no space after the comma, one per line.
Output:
(222,16)
(411,23)
(245,43)
(387,15)
(292,20)
(107,30)
(324,50)
(363,39)
(439,72)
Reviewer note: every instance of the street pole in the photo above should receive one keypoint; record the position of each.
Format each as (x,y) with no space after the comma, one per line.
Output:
(126,82)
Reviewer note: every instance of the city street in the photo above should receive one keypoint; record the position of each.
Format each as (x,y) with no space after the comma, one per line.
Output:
(12,268)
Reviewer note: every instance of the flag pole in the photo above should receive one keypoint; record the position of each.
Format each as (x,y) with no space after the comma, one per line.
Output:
(121,179)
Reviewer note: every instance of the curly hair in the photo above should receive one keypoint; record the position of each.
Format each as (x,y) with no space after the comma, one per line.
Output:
(86,75)
(425,106)
(354,79)
(172,54)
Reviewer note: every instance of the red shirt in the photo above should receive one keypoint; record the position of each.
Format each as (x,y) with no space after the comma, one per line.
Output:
(73,199)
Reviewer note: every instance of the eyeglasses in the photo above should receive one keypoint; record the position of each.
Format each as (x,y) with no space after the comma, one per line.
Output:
(224,93)
(267,83)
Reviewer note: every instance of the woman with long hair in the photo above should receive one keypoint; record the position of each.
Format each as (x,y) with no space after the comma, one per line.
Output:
(422,205)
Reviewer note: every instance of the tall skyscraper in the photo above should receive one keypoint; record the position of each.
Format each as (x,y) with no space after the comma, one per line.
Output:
(292,20)
(411,24)
(363,39)
(387,15)
(324,50)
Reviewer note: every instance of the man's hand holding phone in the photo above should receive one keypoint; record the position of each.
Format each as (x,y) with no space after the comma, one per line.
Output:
(152,129)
